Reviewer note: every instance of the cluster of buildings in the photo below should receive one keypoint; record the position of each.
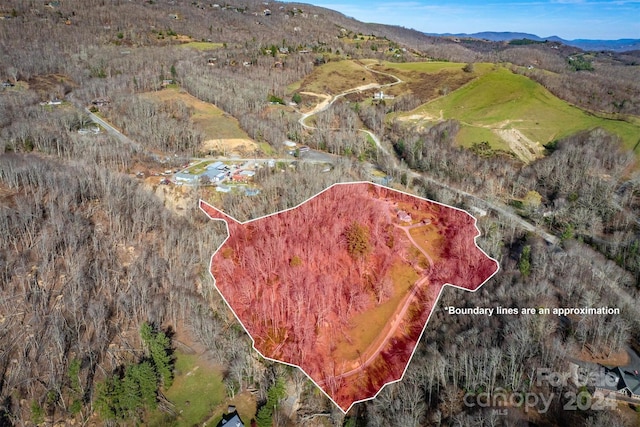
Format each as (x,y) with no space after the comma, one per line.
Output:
(221,174)
(381,96)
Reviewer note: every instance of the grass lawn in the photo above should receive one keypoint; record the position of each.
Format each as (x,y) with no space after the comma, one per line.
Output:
(202,45)
(294,87)
(211,120)
(370,140)
(437,66)
(378,173)
(266,148)
(196,392)
(471,134)
(429,240)
(369,324)
(501,99)
(427,81)
(360,38)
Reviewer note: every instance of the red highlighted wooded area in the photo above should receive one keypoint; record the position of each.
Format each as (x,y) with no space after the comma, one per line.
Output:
(342,285)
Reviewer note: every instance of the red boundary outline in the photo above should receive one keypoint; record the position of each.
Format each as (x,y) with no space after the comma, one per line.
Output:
(435,302)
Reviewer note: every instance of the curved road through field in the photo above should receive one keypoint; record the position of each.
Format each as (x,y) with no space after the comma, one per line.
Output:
(398,315)
(496,206)
(407,229)
(329,100)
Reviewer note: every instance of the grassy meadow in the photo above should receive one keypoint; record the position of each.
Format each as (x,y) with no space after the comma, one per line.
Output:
(196,392)
(500,99)
(211,120)
(335,77)
(370,324)
(202,45)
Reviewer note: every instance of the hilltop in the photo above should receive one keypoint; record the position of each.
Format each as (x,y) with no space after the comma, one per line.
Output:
(513,113)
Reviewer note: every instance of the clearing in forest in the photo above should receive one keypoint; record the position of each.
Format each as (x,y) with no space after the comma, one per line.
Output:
(429,80)
(222,131)
(342,285)
(338,76)
(514,113)
(197,386)
(202,45)
(198,395)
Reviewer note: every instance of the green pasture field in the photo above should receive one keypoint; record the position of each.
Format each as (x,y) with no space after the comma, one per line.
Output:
(197,391)
(500,99)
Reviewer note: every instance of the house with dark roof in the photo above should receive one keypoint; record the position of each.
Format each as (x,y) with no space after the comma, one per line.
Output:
(231,418)
(101,102)
(234,421)
(622,381)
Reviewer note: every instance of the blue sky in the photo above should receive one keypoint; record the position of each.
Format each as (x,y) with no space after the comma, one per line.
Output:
(569,19)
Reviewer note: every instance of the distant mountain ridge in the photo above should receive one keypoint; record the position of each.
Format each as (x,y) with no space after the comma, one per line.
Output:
(620,45)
